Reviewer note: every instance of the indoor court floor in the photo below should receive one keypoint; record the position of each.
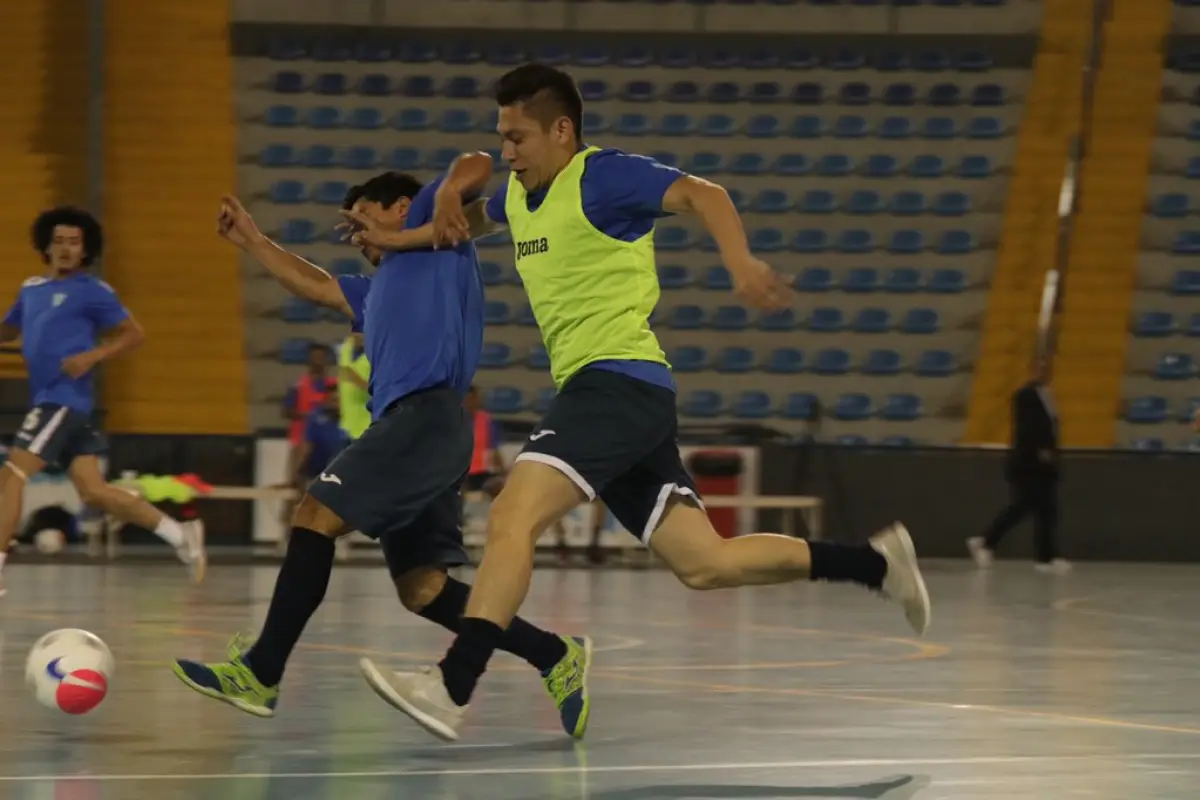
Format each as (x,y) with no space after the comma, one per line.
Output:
(1028,686)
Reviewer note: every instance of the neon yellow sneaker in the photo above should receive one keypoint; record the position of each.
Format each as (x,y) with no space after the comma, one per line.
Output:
(231,682)
(566,683)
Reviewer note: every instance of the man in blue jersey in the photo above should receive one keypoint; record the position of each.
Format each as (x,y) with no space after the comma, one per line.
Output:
(322,440)
(70,322)
(582,221)
(421,316)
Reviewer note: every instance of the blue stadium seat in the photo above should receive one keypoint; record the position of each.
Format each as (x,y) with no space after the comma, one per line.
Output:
(1186,243)
(1171,205)
(927,166)
(330,192)
(677,57)
(491,273)
(763,126)
(800,405)
(771,201)
(988,94)
(332,49)
(944,94)
(831,361)
(894,128)
(686,317)
(951,204)
(282,116)
(808,94)
(295,351)
(931,61)
(855,93)
(287,83)
(525,316)
(298,310)
(632,125)
(1147,410)
(375,85)
(538,358)
(850,126)
(456,120)
(418,86)
(298,231)
(855,240)
(496,312)
(747,164)
(891,60)
(947,281)
(682,92)
(324,118)
(330,83)
(778,321)
(702,403)
(677,125)
(814,279)
(975,167)
(865,201)
(1153,324)
(1146,445)
(956,242)
(462,87)
(1187,413)
(907,203)
(810,240)
(1192,327)
(319,156)
(440,159)
(826,319)
(818,201)
(372,52)
(720,58)
(670,238)
(852,407)
(411,120)
(735,359)
(1175,367)
(665,158)
(939,128)
(835,165)
(985,128)
(593,122)
(936,364)
(287,192)
(360,157)
(752,405)
(881,166)
(807,126)
(900,94)
(920,321)
(723,92)
(592,56)
(416,52)
(764,92)
(901,408)
(882,362)
(784,361)
(861,280)
(973,61)
(689,358)
(542,400)
(717,279)
(278,155)
(673,276)
(495,355)
(462,53)
(503,400)
(286,48)
(767,240)
(1192,170)
(872,320)
(761,58)
(405,159)
(730,318)
(902,280)
(705,163)
(718,125)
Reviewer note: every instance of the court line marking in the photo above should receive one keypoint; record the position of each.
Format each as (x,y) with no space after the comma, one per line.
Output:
(616,768)
(1072,606)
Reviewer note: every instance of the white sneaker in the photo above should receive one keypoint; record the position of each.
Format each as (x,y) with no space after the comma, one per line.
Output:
(1059,566)
(421,695)
(341,548)
(193,553)
(903,582)
(977,547)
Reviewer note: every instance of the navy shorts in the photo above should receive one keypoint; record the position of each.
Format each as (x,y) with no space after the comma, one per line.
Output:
(399,482)
(58,434)
(616,438)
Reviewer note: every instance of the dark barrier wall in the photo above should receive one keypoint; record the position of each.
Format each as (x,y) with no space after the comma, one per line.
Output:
(1117,506)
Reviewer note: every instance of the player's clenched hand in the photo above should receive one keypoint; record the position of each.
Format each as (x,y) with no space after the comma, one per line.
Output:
(450,226)
(758,285)
(78,365)
(235,223)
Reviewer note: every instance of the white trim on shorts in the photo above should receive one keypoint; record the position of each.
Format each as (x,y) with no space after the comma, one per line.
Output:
(563,467)
(660,507)
(39,442)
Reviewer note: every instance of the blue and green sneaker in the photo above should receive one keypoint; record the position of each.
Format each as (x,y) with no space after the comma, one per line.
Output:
(231,681)
(566,682)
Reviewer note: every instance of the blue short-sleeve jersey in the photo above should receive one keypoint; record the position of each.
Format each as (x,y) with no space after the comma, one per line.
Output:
(58,318)
(622,197)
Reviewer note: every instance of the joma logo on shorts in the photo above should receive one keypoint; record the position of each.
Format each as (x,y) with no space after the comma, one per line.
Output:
(532,247)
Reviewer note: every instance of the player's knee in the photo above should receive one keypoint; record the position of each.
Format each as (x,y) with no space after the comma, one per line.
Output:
(95,495)
(419,587)
(703,576)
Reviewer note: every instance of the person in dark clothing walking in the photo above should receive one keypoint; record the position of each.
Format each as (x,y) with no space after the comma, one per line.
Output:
(1031,470)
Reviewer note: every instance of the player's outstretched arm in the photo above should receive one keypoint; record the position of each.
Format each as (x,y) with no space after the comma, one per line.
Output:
(456,216)
(753,279)
(300,277)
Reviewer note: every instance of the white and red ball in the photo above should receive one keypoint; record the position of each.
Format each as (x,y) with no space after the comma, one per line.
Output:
(70,670)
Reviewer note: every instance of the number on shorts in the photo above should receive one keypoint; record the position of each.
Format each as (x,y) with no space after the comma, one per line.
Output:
(31,420)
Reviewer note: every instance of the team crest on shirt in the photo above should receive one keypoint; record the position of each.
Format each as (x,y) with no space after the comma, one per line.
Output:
(58,299)
(532,247)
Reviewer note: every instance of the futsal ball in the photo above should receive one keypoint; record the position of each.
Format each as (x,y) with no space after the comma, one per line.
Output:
(69,669)
(50,541)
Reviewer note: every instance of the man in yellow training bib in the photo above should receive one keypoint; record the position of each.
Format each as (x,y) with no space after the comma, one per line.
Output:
(582,221)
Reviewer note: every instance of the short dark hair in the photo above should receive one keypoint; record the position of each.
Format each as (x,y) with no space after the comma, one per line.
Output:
(42,232)
(550,93)
(386,189)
